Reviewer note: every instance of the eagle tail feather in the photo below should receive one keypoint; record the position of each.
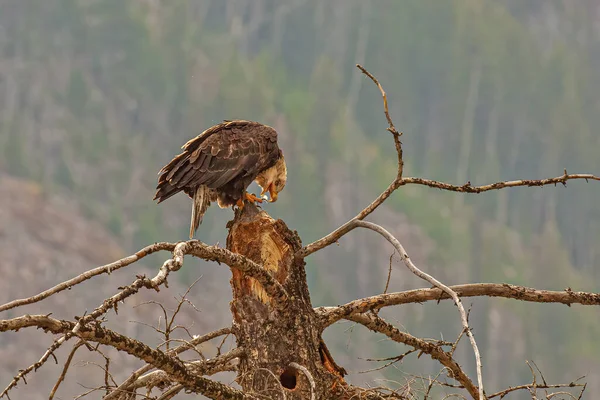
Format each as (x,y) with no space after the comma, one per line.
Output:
(200,203)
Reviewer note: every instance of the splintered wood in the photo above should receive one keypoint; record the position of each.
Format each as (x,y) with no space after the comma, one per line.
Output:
(254,235)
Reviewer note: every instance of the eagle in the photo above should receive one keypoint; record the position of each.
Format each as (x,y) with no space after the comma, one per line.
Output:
(219,165)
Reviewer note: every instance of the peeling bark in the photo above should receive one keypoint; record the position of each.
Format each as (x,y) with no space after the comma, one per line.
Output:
(279,339)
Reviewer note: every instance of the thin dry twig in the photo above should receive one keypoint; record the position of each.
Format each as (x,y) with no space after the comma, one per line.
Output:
(174,367)
(311,380)
(347,227)
(377,324)
(391,361)
(423,275)
(108,268)
(199,368)
(128,384)
(34,367)
(399,180)
(63,374)
(172,392)
(536,386)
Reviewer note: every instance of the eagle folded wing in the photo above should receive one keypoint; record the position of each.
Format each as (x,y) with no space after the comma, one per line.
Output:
(214,160)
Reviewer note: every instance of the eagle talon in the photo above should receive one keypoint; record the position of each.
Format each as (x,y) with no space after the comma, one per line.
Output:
(251,197)
(248,197)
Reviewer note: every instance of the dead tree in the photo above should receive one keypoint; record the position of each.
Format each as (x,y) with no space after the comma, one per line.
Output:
(280,353)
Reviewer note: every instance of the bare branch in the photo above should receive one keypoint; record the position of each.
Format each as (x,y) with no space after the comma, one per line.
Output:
(391,128)
(348,226)
(533,387)
(34,367)
(241,263)
(108,268)
(199,368)
(127,385)
(63,374)
(173,264)
(308,375)
(536,386)
(423,275)
(400,181)
(332,314)
(467,188)
(193,247)
(174,367)
(377,324)
(172,392)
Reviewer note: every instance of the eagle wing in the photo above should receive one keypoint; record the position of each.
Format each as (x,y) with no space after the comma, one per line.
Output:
(217,156)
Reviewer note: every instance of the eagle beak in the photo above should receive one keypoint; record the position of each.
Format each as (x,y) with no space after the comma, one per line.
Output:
(273,193)
(262,194)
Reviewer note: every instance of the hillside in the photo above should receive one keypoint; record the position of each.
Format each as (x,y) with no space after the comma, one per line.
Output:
(44,240)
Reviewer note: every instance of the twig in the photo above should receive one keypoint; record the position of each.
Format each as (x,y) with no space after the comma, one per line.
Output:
(391,128)
(172,392)
(199,368)
(127,385)
(377,324)
(108,268)
(389,277)
(347,227)
(308,375)
(63,374)
(392,361)
(522,293)
(431,383)
(34,367)
(399,180)
(173,366)
(504,392)
(467,188)
(423,275)
(173,264)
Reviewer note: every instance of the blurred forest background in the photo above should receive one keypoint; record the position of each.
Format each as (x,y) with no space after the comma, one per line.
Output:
(96,96)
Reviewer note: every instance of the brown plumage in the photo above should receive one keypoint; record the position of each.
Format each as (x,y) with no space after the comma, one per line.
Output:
(220,164)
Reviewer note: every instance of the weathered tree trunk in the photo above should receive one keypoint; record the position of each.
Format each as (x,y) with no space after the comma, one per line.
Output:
(284,349)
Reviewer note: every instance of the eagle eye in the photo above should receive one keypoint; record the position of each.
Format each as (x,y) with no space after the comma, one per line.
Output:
(277,182)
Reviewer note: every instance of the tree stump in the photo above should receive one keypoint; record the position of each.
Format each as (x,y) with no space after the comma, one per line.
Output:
(285,355)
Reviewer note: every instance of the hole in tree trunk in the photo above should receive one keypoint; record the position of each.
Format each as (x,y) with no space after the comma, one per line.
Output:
(288,378)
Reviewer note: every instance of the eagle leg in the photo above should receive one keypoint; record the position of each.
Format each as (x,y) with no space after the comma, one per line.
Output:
(249,197)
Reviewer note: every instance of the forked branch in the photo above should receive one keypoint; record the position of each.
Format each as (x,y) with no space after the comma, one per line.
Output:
(423,275)
(399,180)
(435,351)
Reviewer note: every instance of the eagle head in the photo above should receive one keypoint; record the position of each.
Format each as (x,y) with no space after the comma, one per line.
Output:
(273,179)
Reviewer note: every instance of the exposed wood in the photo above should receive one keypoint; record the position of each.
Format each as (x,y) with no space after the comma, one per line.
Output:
(277,339)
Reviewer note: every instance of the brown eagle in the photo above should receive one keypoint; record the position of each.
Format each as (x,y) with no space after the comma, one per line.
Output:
(219,165)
